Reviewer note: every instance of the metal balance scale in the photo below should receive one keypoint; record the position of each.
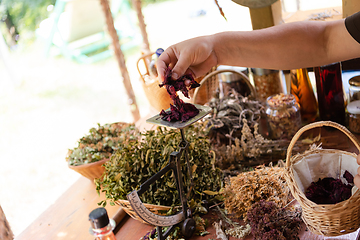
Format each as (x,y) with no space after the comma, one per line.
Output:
(188,225)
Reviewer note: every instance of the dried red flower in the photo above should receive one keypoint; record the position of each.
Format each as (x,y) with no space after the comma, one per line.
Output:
(180,111)
(329,190)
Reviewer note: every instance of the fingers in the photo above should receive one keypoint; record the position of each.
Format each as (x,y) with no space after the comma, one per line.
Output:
(357,180)
(182,65)
(163,62)
(357,177)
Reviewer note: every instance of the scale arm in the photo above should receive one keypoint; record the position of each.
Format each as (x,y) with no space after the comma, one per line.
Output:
(150,217)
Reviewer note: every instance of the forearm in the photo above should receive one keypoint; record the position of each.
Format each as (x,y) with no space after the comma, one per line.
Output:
(288,46)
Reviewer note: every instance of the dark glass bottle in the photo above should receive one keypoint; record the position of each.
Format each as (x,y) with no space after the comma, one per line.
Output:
(330,92)
(302,90)
(101,226)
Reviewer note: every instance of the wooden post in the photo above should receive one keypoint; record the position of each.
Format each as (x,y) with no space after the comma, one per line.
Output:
(5,230)
(266,16)
(142,25)
(120,59)
(350,7)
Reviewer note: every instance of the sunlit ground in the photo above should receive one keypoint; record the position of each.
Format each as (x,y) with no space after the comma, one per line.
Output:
(47,104)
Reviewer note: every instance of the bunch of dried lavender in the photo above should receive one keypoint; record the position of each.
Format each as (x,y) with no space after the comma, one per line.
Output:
(270,222)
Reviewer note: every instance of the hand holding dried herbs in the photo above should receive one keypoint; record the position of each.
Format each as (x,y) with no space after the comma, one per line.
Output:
(268,221)
(101,142)
(137,161)
(180,111)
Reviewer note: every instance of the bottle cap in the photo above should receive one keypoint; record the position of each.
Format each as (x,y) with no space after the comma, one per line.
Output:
(355,81)
(99,218)
(159,51)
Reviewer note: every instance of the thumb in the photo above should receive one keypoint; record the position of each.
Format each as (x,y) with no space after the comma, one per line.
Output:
(180,67)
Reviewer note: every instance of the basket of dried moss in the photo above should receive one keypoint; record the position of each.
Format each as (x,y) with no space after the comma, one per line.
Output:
(321,180)
(96,148)
(137,161)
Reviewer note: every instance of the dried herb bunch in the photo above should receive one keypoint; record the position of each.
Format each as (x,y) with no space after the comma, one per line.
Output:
(263,183)
(268,221)
(226,119)
(101,142)
(252,149)
(137,161)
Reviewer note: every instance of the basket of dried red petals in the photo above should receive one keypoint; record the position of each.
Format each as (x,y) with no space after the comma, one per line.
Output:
(321,180)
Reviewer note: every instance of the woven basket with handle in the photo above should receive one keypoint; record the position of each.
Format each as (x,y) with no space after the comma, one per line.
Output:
(323,219)
(158,97)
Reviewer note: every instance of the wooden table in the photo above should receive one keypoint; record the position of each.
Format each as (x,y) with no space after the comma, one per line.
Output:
(67,218)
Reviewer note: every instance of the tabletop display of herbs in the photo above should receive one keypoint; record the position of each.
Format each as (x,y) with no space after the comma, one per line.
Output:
(262,199)
(101,143)
(140,159)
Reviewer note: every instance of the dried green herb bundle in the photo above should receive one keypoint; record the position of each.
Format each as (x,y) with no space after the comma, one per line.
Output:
(252,149)
(101,142)
(137,161)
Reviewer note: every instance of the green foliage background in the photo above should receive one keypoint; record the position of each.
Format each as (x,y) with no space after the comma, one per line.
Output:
(27,14)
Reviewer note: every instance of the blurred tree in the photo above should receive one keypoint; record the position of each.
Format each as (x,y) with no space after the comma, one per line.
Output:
(22,17)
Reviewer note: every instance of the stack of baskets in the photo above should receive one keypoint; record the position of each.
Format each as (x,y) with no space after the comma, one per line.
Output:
(327,219)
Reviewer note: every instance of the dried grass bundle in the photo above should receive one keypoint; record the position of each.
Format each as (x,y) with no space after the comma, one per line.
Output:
(245,189)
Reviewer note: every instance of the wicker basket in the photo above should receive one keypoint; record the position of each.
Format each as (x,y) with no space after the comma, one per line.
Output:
(207,89)
(210,83)
(158,97)
(327,219)
(156,209)
(90,170)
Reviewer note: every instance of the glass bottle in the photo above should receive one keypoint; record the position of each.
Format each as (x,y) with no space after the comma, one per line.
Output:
(354,88)
(283,116)
(303,92)
(152,65)
(353,116)
(353,107)
(330,92)
(267,82)
(101,226)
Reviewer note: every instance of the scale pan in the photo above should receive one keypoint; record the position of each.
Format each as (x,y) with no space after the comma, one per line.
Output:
(203,111)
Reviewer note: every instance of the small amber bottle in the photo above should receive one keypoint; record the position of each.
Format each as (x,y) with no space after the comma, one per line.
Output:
(302,90)
(101,226)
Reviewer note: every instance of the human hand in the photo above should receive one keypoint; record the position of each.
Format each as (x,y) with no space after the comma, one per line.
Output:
(357,177)
(194,56)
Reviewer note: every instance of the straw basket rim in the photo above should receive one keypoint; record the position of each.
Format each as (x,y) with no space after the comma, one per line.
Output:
(92,170)
(215,73)
(156,209)
(86,165)
(324,219)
